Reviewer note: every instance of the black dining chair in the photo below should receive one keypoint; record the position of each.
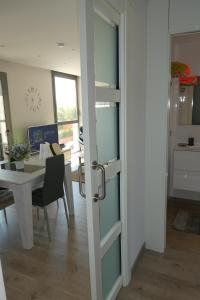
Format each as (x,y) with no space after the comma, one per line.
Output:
(52,189)
(6,199)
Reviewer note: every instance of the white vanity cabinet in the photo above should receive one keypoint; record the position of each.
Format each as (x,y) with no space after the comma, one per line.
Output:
(186,175)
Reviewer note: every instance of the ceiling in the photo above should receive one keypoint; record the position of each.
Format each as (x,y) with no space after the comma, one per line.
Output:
(31,29)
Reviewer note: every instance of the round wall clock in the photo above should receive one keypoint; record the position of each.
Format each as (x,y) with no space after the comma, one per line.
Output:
(33,99)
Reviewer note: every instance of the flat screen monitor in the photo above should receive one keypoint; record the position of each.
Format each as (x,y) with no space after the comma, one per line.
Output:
(40,134)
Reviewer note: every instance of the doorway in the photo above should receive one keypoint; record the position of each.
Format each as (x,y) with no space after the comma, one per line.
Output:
(184,120)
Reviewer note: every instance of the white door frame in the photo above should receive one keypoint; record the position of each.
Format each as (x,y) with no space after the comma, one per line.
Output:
(154,97)
(6,102)
(88,92)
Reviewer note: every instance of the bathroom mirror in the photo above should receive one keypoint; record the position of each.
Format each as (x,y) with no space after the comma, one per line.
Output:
(189,104)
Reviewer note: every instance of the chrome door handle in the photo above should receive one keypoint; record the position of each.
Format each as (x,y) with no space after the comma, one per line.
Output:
(103,181)
(80,182)
(100,167)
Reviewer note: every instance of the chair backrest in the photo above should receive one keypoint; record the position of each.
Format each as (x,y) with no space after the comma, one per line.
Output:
(55,149)
(53,180)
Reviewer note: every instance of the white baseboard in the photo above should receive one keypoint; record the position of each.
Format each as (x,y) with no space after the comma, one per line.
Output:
(139,255)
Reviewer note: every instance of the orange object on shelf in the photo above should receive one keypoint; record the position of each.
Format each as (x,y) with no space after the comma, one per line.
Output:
(182,71)
(192,80)
(179,69)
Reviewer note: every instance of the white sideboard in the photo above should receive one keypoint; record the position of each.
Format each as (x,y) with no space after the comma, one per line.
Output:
(186,175)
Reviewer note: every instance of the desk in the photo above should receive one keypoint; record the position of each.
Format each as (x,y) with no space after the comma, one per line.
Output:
(22,184)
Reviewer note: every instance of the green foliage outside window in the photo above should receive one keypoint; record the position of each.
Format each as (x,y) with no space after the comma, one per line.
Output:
(66,114)
(64,133)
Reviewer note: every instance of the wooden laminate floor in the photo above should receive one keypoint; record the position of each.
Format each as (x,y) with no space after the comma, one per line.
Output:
(57,270)
(174,275)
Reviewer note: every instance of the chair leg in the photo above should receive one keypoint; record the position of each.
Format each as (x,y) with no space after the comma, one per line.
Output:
(38,213)
(66,213)
(5,216)
(57,204)
(47,220)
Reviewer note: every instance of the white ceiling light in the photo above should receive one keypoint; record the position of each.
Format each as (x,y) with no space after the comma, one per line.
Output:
(60,45)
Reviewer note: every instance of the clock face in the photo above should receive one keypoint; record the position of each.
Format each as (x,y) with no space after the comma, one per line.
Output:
(33,99)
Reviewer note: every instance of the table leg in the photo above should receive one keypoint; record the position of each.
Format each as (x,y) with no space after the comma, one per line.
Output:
(2,288)
(68,189)
(23,203)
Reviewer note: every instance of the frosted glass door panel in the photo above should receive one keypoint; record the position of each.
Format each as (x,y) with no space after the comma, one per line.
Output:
(107,142)
(106,53)
(110,207)
(111,267)
(107,138)
(107,132)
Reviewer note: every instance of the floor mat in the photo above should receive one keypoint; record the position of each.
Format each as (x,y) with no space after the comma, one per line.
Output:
(187,222)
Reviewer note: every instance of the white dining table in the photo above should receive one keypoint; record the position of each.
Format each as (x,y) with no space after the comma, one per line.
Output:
(22,184)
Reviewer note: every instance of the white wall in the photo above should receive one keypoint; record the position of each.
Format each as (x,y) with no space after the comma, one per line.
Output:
(156,123)
(188,53)
(20,78)
(184,16)
(186,49)
(136,74)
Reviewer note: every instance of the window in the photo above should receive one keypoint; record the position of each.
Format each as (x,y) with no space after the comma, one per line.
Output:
(2,120)
(66,109)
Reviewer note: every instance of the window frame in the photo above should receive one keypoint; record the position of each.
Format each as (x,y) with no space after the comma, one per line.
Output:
(6,103)
(67,76)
